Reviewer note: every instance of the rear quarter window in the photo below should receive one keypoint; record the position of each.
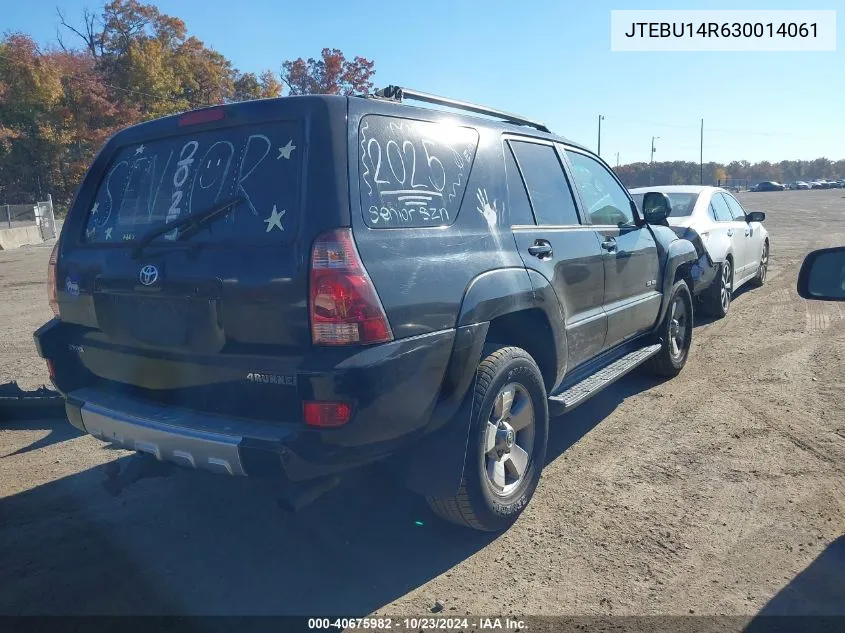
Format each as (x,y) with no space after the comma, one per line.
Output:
(412,173)
(156,182)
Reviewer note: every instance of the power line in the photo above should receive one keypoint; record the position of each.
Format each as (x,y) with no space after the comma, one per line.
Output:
(746,133)
(627,120)
(695,127)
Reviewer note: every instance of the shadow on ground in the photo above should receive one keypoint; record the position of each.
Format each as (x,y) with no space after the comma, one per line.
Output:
(195,543)
(18,404)
(58,430)
(812,601)
(819,590)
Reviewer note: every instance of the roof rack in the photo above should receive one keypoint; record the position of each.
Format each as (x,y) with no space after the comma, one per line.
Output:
(398,93)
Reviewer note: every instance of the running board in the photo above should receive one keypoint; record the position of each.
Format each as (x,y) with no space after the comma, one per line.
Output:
(591,385)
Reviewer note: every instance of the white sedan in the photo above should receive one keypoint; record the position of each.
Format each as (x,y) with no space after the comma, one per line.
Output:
(732,239)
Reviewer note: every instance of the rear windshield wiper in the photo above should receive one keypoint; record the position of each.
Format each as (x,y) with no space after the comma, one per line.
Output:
(188,223)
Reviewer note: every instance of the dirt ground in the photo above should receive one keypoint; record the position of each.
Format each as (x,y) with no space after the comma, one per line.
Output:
(719,492)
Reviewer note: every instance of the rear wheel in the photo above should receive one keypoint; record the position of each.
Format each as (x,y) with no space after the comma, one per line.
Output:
(716,300)
(675,332)
(507,447)
(763,268)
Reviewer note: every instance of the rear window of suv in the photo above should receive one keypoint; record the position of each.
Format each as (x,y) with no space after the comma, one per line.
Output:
(156,182)
(412,173)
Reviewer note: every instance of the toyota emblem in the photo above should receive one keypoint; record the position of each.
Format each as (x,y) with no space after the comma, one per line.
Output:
(148,275)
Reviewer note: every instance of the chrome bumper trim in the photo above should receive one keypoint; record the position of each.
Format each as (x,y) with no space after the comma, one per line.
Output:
(151,431)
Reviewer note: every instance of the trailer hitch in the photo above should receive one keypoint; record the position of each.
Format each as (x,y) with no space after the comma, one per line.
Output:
(138,466)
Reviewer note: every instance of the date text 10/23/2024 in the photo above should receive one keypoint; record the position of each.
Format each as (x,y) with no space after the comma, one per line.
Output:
(418,623)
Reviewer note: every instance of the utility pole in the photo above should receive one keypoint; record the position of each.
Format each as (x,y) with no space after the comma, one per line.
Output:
(601,118)
(651,163)
(617,159)
(701,157)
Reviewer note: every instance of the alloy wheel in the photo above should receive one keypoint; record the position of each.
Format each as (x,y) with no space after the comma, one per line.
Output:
(509,439)
(725,290)
(764,263)
(678,324)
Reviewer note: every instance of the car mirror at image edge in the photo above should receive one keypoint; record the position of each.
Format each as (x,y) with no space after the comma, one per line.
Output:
(656,207)
(755,216)
(822,275)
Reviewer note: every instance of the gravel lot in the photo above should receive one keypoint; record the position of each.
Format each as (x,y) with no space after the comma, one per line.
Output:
(719,492)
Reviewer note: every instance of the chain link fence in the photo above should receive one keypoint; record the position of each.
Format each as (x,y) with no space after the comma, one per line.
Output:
(39,214)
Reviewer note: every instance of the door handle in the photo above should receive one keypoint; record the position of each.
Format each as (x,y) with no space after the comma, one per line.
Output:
(730,232)
(747,231)
(609,244)
(541,249)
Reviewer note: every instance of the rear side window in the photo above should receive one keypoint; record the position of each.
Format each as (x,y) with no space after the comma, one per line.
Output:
(412,173)
(159,181)
(720,209)
(519,207)
(551,196)
(736,209)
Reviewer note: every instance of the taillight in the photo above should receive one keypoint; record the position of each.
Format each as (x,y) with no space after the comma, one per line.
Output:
(52,289)
(326,414)
(344,306)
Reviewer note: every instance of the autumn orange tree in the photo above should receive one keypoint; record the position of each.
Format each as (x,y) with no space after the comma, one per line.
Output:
(148,57)
(125,63)
(331,74)
(55,112)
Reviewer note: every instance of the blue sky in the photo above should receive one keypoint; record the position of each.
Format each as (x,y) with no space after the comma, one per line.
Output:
(548,60)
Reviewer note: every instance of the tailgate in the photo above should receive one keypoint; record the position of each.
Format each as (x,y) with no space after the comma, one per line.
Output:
(190,314)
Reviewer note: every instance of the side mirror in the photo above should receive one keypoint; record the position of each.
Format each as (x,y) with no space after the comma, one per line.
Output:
(755,216)
(822,275)
(656,207)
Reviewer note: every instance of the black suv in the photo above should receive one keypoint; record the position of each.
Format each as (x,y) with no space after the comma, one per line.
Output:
(299,286)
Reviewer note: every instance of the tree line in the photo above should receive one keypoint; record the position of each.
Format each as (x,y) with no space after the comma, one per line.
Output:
(124,64)
(689,173)
(129,62)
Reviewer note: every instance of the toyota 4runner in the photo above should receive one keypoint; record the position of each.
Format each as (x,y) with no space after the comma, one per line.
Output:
(300,286)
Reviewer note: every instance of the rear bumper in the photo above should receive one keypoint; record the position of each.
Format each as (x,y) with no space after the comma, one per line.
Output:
(175,436)
(399,391)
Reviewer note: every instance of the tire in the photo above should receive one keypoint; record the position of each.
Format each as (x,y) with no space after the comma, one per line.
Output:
(716,299)
(763,269)
(675,332)
(481,503)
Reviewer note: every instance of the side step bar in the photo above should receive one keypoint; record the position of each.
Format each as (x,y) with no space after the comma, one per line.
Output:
(591,385)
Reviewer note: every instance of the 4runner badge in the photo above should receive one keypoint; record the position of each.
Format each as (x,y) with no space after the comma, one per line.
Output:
(272,379)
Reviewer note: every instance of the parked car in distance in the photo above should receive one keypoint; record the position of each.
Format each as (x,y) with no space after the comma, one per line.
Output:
(317,283)
(768,185)
(799,184)
(732,244)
